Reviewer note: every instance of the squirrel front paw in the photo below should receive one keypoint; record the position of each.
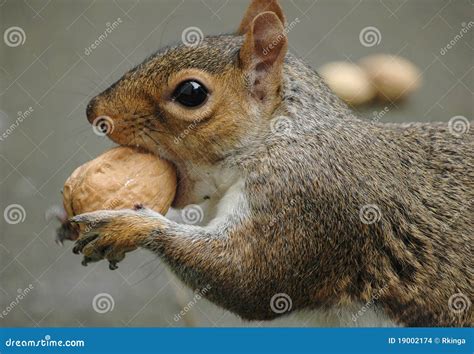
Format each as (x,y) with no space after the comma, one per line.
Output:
(110,234)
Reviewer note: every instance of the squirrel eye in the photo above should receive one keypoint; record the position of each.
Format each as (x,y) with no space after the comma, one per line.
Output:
(190,93)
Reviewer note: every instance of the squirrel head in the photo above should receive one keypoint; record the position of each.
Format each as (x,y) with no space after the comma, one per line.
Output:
(199,102)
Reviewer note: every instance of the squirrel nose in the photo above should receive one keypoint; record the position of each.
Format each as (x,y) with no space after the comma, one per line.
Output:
(90,111)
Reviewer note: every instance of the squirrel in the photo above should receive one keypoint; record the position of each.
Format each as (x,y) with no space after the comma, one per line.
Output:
(302,198)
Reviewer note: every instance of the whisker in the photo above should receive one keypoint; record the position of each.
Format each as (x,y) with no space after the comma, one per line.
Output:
(151,138)
(140,117)
(150,127)
(156,130)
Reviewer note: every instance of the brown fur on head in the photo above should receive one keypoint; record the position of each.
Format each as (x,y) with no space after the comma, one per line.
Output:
(242,77)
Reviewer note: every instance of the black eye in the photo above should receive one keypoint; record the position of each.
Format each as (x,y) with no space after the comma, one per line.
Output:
(190,93)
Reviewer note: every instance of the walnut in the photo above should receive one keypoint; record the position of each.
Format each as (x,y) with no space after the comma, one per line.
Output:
(120,178)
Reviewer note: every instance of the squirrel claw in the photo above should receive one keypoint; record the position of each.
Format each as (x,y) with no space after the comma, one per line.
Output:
(110,234)
(85,261)
(83,242)
(113,265)
(138,206)
(67,231)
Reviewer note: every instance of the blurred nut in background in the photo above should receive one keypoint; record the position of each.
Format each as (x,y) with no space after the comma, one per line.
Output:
(348,81)
(393,77)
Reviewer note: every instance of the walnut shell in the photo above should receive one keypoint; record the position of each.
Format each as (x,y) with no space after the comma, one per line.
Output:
(120,178)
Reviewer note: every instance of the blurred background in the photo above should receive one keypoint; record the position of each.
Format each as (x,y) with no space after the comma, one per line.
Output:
(48,72)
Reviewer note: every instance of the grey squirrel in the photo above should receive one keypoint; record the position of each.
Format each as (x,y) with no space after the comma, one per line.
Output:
(302,198)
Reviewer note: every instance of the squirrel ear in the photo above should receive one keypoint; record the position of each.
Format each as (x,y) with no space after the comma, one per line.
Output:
(263,52)
(255,8)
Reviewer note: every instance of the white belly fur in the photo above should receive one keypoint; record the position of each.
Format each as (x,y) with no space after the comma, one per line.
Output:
(218,195)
